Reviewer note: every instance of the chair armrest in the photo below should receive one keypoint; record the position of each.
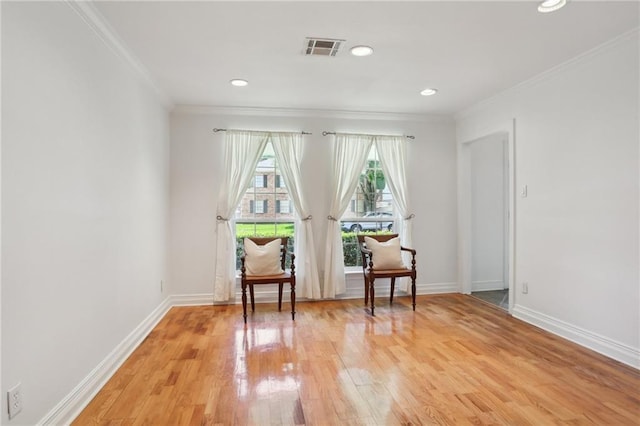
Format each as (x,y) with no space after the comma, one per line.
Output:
(410,250)
(367,258)
(413,256)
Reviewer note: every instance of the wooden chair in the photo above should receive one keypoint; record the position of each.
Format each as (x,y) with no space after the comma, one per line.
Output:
(280,279)
(370,274)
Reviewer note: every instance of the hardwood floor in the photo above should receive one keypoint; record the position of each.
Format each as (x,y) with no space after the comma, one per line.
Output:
(454,361)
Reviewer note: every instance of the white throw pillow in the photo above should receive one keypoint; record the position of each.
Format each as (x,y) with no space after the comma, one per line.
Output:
(262,260)
(386,255)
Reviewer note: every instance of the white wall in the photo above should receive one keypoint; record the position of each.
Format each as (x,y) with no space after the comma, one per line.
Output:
(84,202)
(487,163)
(196,165)
(577,232)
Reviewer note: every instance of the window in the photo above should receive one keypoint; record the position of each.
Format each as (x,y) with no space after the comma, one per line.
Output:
(283,206)
(261,181)
(265,209)
(258,206)
(370,209)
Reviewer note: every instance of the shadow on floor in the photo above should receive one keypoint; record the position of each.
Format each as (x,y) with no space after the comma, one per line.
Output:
(500,298)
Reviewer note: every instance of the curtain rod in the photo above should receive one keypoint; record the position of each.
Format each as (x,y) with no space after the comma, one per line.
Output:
(333,133)
(216,130)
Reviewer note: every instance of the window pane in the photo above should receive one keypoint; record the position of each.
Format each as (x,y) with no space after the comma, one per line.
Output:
(284,207)
(265,210)
(371,209)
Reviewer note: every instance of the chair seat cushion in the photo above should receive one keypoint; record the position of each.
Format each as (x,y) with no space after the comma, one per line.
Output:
(277,277)
(385,255)
(392,271)
(262,260)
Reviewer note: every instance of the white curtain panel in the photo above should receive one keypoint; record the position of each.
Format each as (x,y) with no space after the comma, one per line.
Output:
(242,153)
(349,156)
(393,154)
(288,150)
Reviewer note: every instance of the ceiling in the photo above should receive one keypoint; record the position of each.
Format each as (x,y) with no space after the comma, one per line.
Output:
(468,50)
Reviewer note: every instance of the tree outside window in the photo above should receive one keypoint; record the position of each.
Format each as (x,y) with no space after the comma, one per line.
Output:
(370,209)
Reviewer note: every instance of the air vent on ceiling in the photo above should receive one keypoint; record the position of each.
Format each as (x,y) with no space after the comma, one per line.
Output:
(322,46)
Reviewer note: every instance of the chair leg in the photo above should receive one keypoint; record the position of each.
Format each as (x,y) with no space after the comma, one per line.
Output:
(293,300)
(280,296)
(372,295)
(244,302)
(253,302)
(366,291)
(393,287)
(413,291)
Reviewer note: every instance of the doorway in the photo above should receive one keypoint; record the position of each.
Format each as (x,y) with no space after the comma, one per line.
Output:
(489,214)
(486,219)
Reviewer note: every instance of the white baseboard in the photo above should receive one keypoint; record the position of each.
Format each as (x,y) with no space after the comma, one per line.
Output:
(191,299)
(438,288)
(355,290)
(610,348)
(487,285)
(73,404)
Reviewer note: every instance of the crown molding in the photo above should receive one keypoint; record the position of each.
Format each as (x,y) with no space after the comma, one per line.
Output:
(309,113)
(99,25)
(550,73)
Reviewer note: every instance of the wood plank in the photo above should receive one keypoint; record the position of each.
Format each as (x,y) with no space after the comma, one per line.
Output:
(454,360)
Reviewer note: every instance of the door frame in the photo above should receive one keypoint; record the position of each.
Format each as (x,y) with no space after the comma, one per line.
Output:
(507,131)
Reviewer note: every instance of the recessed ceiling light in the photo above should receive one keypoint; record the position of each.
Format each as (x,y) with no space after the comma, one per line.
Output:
(551,5)
(429,92)
(361,50)
(238,82)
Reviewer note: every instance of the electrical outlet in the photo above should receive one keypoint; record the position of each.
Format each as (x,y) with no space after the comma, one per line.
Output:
(14,400)
(525,287)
